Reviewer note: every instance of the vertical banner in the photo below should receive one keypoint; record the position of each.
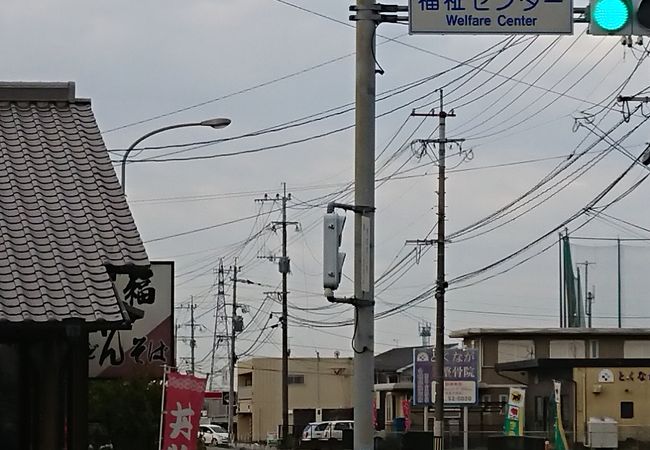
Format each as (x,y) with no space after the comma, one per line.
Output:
(559,437)
(183,402)
(406,409)
(515,413)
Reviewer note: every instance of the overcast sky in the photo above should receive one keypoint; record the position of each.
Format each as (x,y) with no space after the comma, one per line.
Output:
(263,63)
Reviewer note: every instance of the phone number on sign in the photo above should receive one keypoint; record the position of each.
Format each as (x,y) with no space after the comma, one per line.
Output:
(460,398)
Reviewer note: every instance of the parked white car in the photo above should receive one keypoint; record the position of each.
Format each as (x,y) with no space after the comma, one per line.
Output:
(213,435)
(334,429)
(314,430)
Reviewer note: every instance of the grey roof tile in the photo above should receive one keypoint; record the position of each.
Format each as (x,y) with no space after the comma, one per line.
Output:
(63,217)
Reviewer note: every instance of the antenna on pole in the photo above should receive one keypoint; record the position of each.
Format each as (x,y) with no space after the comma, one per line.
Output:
(424,329)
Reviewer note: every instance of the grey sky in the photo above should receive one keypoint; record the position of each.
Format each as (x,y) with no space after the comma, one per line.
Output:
(140,59)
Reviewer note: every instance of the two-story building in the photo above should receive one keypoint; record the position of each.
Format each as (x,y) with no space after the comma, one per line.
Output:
(319,389)
(605,372)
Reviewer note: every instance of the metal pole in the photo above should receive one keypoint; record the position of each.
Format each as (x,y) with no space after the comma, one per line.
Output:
(438,365)
(146,136)
(233,359)
(587,288)
(561,281)
(192,340)
(162,407)
(364,227)
(285,344)
(618,248)
(587,293)
(465,428)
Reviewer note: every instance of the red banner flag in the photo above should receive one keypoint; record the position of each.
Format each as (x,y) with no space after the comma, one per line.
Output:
(183,403)
(406,409)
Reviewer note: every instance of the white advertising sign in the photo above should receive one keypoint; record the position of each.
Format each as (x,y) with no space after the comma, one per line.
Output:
(149,345)
(491,16)
(460,392)
(457,392)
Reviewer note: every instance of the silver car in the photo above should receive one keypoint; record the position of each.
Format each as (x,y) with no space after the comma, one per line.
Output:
(314,430)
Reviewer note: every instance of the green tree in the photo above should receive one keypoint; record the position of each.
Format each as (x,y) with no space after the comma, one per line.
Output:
(125,413)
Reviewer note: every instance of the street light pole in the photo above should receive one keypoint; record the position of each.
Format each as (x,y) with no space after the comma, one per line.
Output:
(212,123)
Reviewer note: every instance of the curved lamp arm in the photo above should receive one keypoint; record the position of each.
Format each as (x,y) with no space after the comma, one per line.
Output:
(213,123)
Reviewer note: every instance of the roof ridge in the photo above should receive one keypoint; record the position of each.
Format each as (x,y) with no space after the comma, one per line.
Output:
(43,91)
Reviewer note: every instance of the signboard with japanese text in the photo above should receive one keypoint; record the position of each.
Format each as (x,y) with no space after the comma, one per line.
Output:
(182,411)
(461,376)
(422,375)
(491,16)
(460,392)
(149,345)
(515,415)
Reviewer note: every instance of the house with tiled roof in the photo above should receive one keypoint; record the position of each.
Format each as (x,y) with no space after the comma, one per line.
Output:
(65,233)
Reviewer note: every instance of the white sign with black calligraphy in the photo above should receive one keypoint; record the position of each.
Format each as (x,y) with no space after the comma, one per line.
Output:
(143,350)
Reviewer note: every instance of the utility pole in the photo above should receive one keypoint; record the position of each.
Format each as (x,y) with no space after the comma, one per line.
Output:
(367,15)
(441,284)
(284,267)
(588,294)
(364,224)
(192,340)
(233,356)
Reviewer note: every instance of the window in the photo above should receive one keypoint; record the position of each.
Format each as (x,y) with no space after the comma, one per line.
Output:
(627,410)
(487,398)
(541,409)
(636,349)
(567,349)
(341,426)
(519,350)
(295,379)
(503,400)
(594,350)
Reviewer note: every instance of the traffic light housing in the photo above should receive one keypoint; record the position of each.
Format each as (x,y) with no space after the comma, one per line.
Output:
(641,17)
(619,17)
(333,259)
(610,17)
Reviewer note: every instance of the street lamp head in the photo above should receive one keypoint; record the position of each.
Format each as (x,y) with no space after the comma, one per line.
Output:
(216,123)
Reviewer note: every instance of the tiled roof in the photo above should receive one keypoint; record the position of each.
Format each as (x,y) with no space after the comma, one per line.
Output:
(63,216)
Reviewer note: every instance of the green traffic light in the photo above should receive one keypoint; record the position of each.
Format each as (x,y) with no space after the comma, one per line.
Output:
(611,15)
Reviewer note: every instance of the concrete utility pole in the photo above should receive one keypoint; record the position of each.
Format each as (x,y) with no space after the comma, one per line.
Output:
(284,270)
(233,356)
(284,267)
(441,284)
(364,224)
(192,340)
(367,15)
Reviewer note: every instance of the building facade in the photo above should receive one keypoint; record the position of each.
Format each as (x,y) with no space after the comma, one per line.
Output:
(319,389)
(604,373)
